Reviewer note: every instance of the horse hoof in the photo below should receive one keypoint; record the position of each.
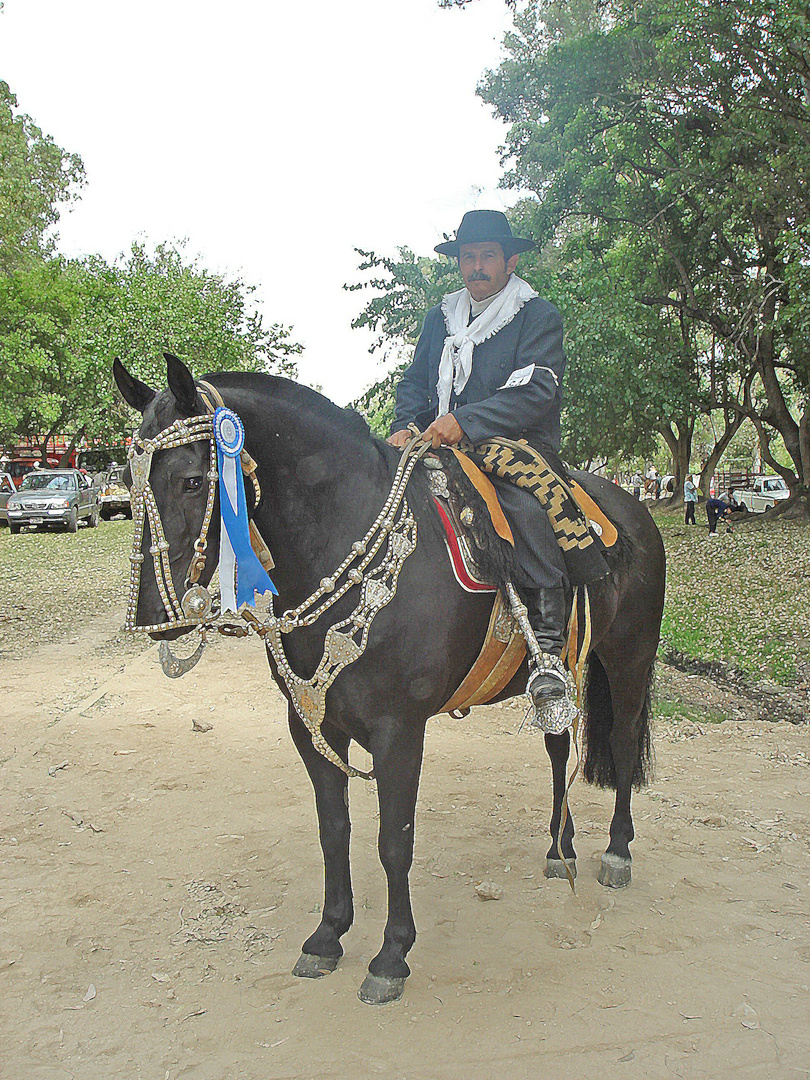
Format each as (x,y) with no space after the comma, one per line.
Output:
(614,873)
(314,967)
(377,990)
(555,868)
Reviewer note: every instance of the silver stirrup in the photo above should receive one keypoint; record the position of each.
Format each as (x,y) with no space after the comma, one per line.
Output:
(560,713)
(557,714)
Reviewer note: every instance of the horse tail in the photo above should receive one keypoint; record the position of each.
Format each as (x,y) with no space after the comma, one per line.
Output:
(598,765)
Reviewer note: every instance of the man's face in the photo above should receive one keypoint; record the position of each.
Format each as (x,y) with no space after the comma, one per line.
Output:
(484,269)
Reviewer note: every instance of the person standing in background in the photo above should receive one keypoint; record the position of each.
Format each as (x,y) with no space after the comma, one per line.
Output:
(690,497)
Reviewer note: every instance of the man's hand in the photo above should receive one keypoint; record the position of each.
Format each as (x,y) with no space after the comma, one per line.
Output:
(445,431)
(400,439)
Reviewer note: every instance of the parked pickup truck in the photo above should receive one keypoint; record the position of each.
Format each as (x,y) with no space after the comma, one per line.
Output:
(53,497)
(114,494)
(761,496)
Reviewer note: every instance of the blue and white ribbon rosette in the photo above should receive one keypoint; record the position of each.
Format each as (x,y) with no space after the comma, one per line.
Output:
(241,575)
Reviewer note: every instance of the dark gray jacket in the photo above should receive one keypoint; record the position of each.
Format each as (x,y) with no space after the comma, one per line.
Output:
(484,408)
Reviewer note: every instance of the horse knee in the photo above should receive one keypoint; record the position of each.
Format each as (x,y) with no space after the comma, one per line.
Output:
(396,848)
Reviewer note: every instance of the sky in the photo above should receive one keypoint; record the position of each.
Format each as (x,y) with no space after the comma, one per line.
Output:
(273,137)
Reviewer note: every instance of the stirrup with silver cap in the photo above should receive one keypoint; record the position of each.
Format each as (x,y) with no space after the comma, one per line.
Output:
(552,693)
(553,712)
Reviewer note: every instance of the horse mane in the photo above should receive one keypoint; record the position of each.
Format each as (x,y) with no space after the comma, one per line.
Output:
(297,397)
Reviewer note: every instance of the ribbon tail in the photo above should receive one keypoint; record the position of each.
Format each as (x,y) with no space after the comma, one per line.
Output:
(251,578)
(241,574)
(227,572)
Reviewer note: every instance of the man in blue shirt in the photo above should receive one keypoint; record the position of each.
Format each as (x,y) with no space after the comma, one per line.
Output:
(717,510)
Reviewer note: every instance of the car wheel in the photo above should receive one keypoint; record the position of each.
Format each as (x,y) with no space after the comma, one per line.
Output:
(72,521)
(105,514)
(92,521)
(14,527)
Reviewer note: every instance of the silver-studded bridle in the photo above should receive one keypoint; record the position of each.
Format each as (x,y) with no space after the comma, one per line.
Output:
(373,565)
(192,608)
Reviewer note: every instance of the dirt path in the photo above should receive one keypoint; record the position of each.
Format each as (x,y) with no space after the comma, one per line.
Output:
(157,884)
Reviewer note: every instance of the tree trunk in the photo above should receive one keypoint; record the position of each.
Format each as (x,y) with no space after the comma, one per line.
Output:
(804,447)
(777,414)
(64,460)
(713,460)
(678,437)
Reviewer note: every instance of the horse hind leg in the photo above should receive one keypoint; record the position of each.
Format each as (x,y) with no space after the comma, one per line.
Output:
(322,951)
(557,747)
(618,750)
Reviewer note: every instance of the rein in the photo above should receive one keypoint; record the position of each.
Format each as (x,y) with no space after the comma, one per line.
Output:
(346,641)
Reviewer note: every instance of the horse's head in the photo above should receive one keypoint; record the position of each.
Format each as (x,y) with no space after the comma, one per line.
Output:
(173,492)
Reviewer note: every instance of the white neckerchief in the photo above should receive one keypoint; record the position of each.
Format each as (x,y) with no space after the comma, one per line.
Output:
(455,364)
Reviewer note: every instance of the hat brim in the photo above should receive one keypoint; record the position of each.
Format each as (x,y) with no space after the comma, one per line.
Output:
(514,243)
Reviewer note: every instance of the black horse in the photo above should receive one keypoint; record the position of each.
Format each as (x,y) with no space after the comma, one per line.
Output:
(324,479)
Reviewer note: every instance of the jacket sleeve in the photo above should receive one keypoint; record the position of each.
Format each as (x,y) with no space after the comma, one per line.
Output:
(414,390)
(513,411)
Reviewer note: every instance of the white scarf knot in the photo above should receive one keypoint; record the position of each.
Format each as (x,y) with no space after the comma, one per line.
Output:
(455,364)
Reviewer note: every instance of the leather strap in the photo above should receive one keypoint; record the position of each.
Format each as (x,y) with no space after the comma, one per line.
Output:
(485,488)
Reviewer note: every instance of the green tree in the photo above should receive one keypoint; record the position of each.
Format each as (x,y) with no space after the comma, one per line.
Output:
(683,131)
(38,306)
(36,176)
(63,322)
(407,287)
(378,403)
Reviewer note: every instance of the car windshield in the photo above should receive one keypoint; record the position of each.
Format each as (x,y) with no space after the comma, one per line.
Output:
(46,482)
(774,485)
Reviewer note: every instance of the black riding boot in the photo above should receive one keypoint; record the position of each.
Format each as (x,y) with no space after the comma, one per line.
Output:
(548,686)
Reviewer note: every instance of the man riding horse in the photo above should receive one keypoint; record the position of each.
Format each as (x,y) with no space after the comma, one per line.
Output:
(490,362)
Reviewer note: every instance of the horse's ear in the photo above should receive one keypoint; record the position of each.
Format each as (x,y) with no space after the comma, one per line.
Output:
(133,391)
(181,384)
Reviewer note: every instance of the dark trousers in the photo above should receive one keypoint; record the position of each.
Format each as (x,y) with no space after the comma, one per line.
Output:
(712,514)
(690,513)
(538,555)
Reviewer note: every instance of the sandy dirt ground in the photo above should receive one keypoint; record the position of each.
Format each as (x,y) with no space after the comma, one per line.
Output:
(157,883)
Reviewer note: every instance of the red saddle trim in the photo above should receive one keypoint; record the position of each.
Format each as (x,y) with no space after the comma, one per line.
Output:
(459,560)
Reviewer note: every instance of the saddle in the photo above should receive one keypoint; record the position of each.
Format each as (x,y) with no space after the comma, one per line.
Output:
(504,646)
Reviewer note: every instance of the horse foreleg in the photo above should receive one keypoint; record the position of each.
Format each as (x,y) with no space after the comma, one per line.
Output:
(558,747)
(397,755)
(321,952)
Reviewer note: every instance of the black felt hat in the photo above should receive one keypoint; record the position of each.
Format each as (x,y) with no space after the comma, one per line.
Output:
(478,226)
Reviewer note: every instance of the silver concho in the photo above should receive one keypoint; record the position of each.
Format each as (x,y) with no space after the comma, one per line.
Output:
(140,466)
(196,603)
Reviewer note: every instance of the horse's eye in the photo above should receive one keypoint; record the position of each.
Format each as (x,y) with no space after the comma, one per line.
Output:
(192,483)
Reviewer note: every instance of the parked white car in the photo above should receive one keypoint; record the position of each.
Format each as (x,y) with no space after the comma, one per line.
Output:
(766,491)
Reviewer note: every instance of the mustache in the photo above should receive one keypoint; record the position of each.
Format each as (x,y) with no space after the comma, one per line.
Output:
(478,275)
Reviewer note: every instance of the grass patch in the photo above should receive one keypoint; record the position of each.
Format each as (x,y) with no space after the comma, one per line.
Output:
(684,710)
(741,598)
(55,582)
